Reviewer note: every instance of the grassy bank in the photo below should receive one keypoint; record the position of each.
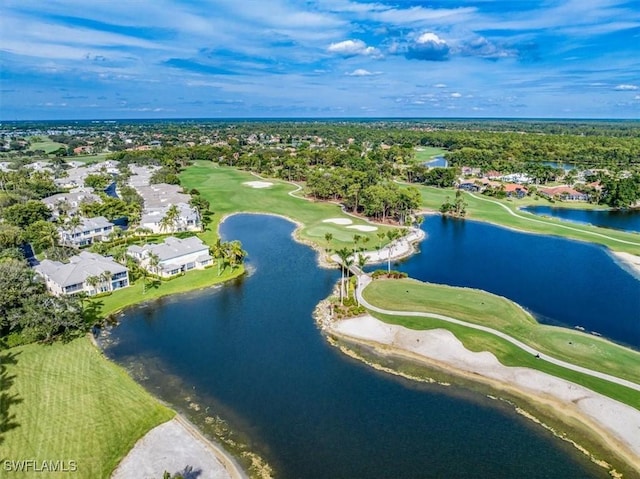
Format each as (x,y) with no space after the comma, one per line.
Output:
(68,403)
(223,187)
(138,292)
(483,209)
(499,313)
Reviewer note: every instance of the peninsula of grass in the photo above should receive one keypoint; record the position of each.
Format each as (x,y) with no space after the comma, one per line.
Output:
(490,210)
(496,312)
(66,402)
(224,188)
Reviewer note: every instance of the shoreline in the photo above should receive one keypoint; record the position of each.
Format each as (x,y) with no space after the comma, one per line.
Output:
(614,425)
(174,446)
(628,261)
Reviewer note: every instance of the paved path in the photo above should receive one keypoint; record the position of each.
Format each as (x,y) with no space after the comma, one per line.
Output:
(364,280)
(533,220)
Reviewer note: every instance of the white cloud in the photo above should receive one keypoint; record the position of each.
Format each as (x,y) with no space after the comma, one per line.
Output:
(360,72)
(440,85)
(456,95)
(351,48)
(625,87)
(428,46)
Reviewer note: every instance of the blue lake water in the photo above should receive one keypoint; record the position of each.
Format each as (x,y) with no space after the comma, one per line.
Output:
(625,220)
(561,282)
(250,351)
(438,161)
(557,164)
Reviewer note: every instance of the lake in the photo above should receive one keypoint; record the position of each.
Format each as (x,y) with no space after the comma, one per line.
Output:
(437,161)
(251,352)
(625,220)
(562,282)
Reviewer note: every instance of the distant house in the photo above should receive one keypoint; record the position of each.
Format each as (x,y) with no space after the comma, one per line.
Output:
(520,178)
(174,256)
(69,203)
(493,175)
(470,185)
(88,232)
(515,190)
(564,193)
(86,272)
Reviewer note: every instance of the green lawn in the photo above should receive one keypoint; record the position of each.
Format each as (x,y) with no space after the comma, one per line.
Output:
(138,292)
(46,145)
(480,307)
(426,153)
(68,403)
(224,188)
(482,210)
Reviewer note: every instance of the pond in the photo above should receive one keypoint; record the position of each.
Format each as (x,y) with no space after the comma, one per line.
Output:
(625,220)
(251,352)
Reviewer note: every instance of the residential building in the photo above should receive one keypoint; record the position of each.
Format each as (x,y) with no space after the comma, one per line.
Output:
(564,193)
(188,219)
(86,272)
(69,203)
(89,231)
(174,256)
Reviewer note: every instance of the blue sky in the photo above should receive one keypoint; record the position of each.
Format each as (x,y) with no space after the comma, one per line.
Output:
(101,59)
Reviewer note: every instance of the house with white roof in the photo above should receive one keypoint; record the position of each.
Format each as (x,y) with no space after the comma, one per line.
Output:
(87,272)
(89,231)
(188,219)
(69,203)
(174,256)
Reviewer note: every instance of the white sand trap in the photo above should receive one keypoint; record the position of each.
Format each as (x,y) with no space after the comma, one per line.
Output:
(363,228)
(258,184)
(338,221)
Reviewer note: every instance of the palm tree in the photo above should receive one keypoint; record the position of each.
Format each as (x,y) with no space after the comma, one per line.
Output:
(343,253)
(154,262)
(170,219)
(105,277)
(362,260)
(218,251)
(392,235)
(236,253)
(93,281)
(120,253)
(328,238)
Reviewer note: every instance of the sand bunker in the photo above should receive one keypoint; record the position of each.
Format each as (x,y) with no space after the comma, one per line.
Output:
(363,228)
(258,184)
(338,221)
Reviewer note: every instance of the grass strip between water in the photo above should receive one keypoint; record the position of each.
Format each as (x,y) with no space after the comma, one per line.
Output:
(499,313)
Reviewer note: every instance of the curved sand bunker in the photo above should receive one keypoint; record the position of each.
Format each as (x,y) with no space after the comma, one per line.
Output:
(258,184)
(363,228)
(338,221)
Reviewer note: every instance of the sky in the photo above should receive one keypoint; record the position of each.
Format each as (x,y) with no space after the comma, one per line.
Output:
(108,59)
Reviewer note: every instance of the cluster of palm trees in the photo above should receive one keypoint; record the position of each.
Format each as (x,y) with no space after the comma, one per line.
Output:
(227,253)
(99,280)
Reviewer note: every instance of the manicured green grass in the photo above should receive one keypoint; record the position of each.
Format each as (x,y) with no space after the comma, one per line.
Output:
(46,145)
(499,313)
(224,188)
(482,210)
(138,292)
(69,403)
(426,153)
